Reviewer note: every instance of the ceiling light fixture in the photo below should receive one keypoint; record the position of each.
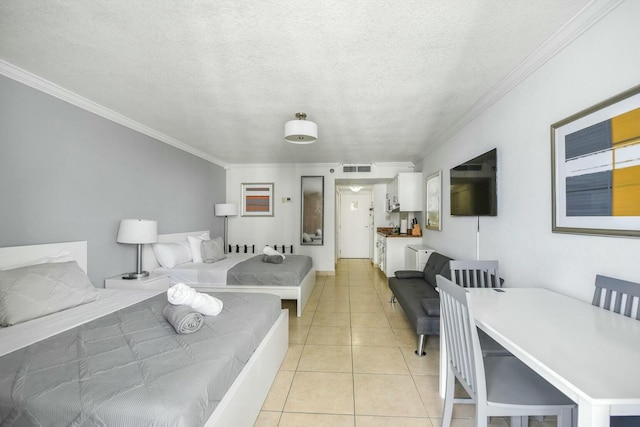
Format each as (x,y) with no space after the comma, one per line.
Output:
(300,131)
(355,188)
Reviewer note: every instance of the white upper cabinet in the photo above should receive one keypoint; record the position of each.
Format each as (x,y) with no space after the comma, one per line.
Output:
(408,186)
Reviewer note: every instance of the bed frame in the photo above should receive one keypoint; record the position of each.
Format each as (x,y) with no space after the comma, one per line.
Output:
(18,256)
(241,405)
(299,293)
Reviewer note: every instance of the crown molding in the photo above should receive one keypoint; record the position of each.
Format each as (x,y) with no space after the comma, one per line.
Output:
(588,16)
(11,71)
(316,165)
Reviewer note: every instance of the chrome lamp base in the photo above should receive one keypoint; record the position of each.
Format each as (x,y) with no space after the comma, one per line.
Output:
(134,276)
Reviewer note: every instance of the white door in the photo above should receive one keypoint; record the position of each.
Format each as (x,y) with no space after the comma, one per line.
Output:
(354,225)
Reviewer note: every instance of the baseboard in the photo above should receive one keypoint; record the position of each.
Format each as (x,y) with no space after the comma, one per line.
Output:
(325,273)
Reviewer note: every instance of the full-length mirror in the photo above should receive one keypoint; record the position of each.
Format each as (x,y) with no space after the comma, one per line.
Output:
(312,232)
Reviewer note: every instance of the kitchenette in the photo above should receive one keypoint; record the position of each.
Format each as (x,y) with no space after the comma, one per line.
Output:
(404,200)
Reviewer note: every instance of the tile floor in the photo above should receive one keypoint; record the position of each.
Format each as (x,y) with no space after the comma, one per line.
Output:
(351,361)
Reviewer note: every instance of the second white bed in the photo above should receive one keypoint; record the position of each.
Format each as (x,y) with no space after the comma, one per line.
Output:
(216,274)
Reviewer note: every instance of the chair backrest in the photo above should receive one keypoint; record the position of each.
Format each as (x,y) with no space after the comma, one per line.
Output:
(464,355)
(475,274)
(617,295)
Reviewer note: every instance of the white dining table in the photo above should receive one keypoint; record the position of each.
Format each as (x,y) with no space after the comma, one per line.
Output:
(590,354)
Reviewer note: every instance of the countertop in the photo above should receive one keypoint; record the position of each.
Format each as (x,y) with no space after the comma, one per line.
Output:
(387,232)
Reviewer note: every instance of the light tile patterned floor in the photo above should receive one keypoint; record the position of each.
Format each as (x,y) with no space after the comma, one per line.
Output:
(351,361)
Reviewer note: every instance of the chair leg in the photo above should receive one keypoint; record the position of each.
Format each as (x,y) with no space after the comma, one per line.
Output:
(447,411)
(519,421)
(482,420)
(393,299)
(421,340)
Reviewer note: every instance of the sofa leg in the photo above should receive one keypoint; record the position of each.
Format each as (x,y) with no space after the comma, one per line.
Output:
(393,299)
(421,340)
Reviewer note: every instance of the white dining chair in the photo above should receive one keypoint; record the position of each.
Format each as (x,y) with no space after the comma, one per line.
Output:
(499,386)
(479,274)
(475,274)
(622,297)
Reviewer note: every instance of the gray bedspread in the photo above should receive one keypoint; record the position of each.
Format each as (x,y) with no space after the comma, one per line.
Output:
(255,272)
(130,368)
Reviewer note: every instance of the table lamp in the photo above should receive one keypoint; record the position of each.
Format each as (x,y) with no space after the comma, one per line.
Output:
(226,210)
(137,232)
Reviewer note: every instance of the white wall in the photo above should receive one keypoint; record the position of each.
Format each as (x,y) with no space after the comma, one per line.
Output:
(601,63)
(284,226)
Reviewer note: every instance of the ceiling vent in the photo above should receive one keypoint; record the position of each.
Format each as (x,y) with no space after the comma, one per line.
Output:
(356,168)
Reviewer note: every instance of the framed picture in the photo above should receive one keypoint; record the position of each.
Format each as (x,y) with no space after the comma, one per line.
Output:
(257,199)
(595,157)
(433,202)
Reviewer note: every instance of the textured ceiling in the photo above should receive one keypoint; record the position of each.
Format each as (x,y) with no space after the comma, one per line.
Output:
(383,80)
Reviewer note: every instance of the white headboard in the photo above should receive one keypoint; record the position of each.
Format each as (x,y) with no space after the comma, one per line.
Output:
(18,256)
(149,261)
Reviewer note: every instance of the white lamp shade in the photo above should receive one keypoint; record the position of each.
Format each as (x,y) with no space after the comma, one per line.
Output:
(137,231)
(300,131)
(226,209)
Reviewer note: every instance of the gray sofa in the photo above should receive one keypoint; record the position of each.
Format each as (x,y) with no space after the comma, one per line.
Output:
(416,293)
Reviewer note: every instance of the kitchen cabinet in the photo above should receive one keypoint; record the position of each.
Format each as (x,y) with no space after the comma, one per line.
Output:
(392,253)
(405,192)
(409,191)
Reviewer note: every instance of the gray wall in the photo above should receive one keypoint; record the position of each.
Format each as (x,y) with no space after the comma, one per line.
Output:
(67,174)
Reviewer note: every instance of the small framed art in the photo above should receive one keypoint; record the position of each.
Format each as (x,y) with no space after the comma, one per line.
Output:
(257,199)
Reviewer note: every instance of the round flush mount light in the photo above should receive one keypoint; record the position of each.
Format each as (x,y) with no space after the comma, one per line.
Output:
(300,131)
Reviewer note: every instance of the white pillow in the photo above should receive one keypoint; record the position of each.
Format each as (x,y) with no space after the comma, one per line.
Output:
(195,244)
(170,254)
(37,290)
(213,250)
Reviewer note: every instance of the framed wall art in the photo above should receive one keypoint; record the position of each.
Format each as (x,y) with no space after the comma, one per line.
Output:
(257,199)
(596,168)
(433,202)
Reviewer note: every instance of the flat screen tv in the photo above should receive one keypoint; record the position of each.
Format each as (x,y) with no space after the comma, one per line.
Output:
(473,186)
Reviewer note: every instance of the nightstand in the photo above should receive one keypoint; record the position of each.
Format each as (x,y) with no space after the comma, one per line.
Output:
(153,281)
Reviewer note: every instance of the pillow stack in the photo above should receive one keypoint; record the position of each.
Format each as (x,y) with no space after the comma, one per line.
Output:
(170,254)
(193,249)
(195,244)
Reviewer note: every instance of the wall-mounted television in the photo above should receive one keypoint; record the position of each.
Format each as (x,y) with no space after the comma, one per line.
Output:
(473,186)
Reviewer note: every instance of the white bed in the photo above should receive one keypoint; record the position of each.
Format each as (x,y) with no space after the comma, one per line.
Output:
(300,293)
(242,402)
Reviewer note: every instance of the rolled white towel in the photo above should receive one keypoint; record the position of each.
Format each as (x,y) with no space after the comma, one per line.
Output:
(268,250)
(181,294)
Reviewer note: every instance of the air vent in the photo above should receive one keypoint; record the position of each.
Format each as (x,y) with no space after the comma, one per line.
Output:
(356,168)
(469,167)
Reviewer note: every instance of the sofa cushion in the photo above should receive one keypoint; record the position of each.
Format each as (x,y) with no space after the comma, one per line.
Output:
(409,274)
(436,264)
(409,293)
(431,306)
